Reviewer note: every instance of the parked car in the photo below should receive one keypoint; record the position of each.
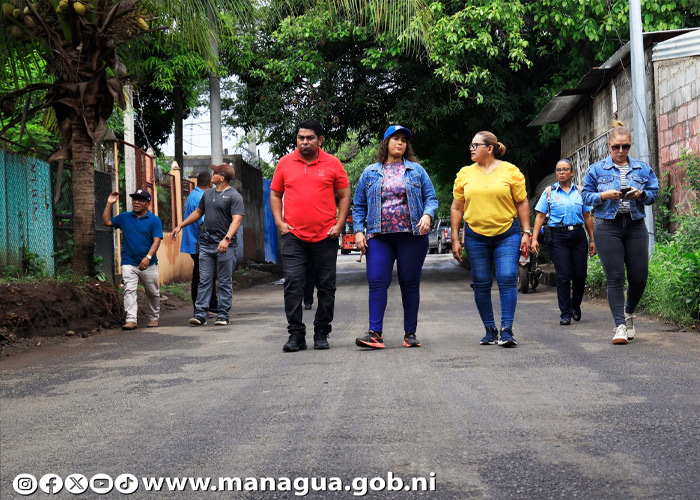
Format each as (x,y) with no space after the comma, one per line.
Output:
(440,237)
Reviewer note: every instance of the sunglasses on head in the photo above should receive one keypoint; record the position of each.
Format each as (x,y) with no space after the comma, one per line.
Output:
(618,147)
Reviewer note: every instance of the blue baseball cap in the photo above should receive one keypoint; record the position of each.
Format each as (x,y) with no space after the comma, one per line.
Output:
(398,128)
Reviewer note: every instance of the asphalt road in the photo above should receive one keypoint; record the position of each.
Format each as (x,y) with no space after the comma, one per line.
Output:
(566,414)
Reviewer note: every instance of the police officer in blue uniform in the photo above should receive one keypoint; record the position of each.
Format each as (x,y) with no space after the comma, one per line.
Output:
(568,248)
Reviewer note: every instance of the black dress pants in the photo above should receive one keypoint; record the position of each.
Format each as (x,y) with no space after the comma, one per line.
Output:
(295,255)
(569,253)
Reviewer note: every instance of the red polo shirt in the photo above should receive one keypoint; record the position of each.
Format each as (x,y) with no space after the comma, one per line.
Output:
(309,193)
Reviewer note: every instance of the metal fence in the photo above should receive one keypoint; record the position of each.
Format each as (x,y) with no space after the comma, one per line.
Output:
(593,152)
(25,212)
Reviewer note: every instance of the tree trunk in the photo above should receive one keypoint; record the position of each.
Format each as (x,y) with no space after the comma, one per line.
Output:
(83,177)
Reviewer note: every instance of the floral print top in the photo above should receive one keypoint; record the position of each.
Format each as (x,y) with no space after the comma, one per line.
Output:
(395,215)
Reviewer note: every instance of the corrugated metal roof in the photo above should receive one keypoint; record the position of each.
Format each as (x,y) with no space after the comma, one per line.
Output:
(687,45)
(566,101)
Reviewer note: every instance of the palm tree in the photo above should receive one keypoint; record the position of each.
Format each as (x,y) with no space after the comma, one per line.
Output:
(80,42)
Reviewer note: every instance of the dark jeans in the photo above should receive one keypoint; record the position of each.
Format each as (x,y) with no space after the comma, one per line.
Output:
(213,302)
(483,252)
(309,285)
(408,251)
(623,243)
(569,253)
(295,254)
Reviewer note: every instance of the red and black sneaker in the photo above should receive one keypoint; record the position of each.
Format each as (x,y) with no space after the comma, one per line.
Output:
(410,340)
(371,339)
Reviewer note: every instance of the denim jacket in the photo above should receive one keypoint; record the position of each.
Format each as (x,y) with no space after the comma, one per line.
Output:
(367,203)
(604,175)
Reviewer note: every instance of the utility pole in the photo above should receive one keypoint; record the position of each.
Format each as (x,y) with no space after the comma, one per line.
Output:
(639,101)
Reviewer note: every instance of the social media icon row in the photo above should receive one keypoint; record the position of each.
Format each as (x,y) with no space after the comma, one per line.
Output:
(26,484)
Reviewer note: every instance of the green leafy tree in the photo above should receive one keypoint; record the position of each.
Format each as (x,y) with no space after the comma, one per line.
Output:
(82,44)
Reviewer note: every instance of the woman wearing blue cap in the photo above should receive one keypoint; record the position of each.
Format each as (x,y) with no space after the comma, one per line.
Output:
(394,204)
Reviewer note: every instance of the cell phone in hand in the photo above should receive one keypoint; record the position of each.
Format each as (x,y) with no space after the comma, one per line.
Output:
(625,191)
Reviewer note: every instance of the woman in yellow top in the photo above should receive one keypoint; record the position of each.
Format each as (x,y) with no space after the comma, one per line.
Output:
(490,196)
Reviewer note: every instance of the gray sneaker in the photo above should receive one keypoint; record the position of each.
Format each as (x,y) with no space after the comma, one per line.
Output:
(629,319)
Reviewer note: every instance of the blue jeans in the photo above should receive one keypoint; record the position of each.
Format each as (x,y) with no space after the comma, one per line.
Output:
(408,251)
(194,289)
(212,263)
(623,243)
(483,251)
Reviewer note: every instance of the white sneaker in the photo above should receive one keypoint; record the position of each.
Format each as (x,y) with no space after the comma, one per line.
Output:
(620,335)
(629,319)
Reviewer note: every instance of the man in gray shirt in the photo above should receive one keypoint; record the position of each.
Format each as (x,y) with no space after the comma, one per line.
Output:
(224,211)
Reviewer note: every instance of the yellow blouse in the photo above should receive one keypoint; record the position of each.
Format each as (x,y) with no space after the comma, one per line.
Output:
(489,199)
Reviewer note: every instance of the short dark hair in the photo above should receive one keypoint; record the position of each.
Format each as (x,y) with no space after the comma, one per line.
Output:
(203,179)
(310,125)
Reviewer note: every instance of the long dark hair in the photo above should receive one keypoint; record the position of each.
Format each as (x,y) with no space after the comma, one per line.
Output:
(383,151)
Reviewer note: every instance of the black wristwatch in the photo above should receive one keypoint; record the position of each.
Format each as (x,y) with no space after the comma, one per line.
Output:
(227,239)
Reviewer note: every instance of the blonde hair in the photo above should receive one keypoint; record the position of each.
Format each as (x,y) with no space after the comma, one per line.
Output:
(499,149)
(618,129)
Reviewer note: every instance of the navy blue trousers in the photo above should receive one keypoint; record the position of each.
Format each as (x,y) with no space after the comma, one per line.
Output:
(408,251)
(569,253)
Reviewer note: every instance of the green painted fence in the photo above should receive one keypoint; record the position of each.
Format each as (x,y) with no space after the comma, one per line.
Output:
(25,210)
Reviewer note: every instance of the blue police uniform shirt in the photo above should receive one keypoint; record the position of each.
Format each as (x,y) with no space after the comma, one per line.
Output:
(566,209)
(190,234)
(138,235)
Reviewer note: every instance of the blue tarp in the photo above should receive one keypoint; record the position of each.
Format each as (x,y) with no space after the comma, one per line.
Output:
(269,225)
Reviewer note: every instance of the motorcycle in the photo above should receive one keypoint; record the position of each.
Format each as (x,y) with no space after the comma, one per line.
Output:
(529,272)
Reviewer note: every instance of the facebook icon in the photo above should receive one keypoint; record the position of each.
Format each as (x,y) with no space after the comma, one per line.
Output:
(51,484)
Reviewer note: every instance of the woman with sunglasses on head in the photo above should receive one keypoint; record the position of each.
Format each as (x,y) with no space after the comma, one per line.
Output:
(490,196)
(394,203)
(568,247)
(618,188)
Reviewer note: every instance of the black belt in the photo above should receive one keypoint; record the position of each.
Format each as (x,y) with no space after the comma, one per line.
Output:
(567,228)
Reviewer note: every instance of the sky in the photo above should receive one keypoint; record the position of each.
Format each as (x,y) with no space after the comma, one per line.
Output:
(196,138)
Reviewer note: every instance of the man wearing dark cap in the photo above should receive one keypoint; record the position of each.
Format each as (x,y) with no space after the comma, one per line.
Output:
(142,233)
(224,211)
(309,179)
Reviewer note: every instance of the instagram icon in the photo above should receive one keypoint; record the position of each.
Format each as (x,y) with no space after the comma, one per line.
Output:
(25,484)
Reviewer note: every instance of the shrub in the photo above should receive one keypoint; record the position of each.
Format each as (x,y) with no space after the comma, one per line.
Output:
(595,280)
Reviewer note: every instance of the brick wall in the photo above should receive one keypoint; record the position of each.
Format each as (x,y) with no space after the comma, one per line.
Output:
(597,116)
(678,103)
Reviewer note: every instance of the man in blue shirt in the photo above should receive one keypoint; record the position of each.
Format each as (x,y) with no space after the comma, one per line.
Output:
(142,233)
(569,248)
(190,237)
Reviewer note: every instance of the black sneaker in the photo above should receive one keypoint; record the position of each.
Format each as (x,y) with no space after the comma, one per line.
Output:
(565,321)
(295,343)
(507,339)
(221,321)
(371,339)
(410,340)
(198,321)
(307,306)
(491,336)
(321,341)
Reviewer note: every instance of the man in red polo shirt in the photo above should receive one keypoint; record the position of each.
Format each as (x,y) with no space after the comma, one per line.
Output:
(309,179)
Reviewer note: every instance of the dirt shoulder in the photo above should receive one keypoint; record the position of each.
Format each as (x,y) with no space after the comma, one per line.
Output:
(35,314)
